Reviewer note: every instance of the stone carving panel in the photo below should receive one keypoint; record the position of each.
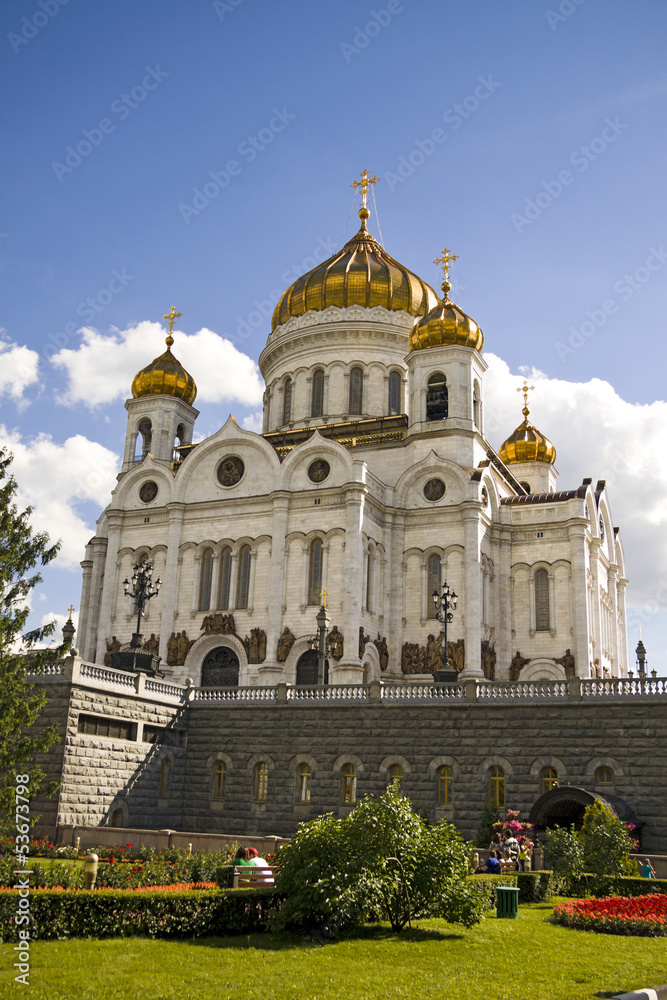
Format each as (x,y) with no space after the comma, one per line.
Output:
(230,471)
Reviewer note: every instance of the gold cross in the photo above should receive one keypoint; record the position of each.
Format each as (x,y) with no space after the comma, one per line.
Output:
(171,316)
(366,179)
(525,389)
(69,611)
(323,597)
(445,260)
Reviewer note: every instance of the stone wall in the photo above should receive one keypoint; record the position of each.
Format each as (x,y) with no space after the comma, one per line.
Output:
(101,774)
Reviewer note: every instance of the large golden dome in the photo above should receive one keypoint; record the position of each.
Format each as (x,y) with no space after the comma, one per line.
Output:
(165,376)
(446,323)
(361,274)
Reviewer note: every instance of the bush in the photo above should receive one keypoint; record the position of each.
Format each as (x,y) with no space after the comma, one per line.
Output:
(614,885)
(485,830)
(121,913)
(382,860)
(484,886)
(605,842)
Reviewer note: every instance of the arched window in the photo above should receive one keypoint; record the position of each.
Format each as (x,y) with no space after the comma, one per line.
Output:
(205,580)
(433,583)
(243,578)
(261,782)
(497,788)
(164,778)
(476,405)
(349,785)
(143,440)
(117,817)
(315,571)
(369,580)
(541,601)
(526,487)
(303,783)
(287,400)
(604,776)
(356,391)
(394,401)
(436,398)
(219,774)
(224,578)
(317,398)
(445,785)
(549,779)
(396,776)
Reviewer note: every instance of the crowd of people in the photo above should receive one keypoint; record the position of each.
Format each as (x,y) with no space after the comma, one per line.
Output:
(506,853)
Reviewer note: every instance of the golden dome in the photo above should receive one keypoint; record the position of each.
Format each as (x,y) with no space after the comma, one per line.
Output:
(446,323)
(527,444)
(361,274)
(165,376)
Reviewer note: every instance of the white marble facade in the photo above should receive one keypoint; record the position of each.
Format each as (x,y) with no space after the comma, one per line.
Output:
(538,574)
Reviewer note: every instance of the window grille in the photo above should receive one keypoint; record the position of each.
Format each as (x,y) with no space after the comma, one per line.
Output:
(356,391)
(394,402)
(243,582)
(287,401)
(225,579)
(433,583)
(542,601)
(317,399)
(205,580)
(315,571)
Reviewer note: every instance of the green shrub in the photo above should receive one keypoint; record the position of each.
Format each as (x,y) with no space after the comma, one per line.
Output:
(119,913)
(591,884)
(382,860)
(484,887)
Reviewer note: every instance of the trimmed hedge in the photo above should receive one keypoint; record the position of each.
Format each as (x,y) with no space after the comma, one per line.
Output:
(534,887)
(485,886)
(613,885)
(102,913)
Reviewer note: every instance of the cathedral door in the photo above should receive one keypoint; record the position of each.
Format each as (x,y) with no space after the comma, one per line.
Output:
(306,668)
(220,668)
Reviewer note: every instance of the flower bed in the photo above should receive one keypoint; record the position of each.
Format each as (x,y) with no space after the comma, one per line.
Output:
(638,915)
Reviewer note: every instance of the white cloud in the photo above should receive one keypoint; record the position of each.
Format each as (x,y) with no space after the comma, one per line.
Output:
(253,422)
(599,435)
(54,479)
(101,369)
(18,369)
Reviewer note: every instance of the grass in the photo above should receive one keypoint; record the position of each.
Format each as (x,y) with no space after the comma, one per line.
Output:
(497,960)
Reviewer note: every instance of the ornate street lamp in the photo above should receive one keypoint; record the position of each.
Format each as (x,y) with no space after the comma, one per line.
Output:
(322,642)
(142,589)
(641,658)
(444,604)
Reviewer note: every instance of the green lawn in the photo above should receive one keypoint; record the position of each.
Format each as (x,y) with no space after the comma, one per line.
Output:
(523,959)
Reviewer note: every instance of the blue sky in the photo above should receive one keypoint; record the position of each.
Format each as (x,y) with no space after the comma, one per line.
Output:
(529,137)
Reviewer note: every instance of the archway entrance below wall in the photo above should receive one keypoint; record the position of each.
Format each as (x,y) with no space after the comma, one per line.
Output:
(566,804)
(220,668)
(306,668)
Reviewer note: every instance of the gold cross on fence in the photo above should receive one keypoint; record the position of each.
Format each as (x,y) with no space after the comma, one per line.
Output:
(366,179)
(446,259)
(323,597)
(69,611)
(525,389)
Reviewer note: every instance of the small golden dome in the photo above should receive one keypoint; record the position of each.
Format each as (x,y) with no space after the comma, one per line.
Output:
(527,444)
(446,323)
(361,274)
(165,376)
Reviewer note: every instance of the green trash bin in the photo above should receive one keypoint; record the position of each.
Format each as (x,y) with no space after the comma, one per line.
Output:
(507,901)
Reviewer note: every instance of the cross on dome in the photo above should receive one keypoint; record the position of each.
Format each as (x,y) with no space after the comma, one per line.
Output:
(171,316)
(525,389)
(366,179)
(446,259)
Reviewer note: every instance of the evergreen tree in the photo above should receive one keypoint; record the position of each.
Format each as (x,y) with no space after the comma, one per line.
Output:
(21,550)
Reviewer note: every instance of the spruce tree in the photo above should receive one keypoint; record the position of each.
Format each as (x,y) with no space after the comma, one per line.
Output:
(21,550)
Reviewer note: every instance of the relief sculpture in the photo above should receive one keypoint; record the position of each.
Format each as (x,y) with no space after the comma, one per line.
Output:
(178,647)
(488,658)
(285,643)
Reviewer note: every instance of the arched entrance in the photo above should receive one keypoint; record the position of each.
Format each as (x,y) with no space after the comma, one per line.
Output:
(566,804)
(306,668)
(220,668)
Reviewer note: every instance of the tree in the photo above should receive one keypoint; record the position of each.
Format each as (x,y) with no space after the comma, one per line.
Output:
(383,860)
(21,550)
(605,842)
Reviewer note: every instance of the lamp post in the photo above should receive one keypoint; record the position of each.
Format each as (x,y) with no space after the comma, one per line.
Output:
(444,604)
(142,589)
(641,658)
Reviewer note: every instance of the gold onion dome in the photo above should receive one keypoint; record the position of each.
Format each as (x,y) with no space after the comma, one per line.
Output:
(165,376)
(527,444)
(446,323)
(361,274)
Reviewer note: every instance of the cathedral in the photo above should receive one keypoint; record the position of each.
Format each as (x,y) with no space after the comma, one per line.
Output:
(371,487)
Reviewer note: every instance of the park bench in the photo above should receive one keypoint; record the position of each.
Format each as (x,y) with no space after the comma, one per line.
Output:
(250,877)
